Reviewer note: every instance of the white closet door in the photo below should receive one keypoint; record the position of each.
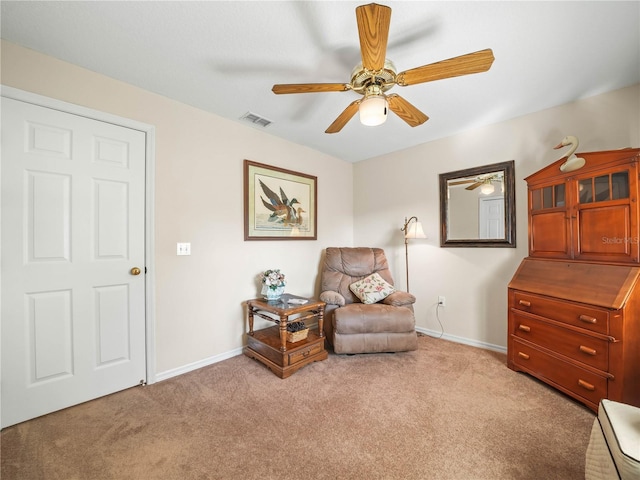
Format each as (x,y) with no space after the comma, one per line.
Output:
(491,217)
(73,314)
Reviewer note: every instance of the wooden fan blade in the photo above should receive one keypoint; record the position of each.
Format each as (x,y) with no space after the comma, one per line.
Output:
(373,29)
(454,67)
(344,117)
(310,88)
(474,186)
(406,111)
(461,182)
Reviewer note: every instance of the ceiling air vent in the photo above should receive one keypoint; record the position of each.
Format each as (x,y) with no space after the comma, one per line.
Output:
(256,119)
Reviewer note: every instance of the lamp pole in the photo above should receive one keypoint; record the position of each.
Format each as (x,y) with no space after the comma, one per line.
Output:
(406,259)
(405,229)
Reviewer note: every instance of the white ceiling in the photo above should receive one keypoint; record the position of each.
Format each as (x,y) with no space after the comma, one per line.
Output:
(224,57)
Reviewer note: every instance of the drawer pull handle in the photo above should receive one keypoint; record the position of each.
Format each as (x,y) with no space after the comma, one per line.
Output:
(588,319)
(524,328)
(525,303)
(587,350)
(523,355)
(586,385)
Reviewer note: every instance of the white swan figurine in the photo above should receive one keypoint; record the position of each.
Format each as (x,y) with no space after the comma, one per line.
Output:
(573,162)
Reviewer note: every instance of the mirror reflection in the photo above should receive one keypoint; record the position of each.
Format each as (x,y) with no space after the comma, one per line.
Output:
(477,206)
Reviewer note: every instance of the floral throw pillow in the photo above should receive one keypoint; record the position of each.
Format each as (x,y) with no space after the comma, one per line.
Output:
(372,289)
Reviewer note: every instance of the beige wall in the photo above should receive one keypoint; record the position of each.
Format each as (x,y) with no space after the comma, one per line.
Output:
(199,312)
(198,199)
(474,280)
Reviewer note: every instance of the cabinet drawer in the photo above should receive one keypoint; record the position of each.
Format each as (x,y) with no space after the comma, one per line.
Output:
(583,348)
(579,382)
(306,352)
(591,318)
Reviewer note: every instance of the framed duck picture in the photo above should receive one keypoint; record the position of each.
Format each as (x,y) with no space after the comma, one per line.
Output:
(279,204)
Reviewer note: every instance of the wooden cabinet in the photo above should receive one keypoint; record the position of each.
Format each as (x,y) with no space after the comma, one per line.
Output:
(574,303)
(589,214)
(576,326)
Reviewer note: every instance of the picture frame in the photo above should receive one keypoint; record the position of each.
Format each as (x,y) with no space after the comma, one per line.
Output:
(463,207)
(279,204)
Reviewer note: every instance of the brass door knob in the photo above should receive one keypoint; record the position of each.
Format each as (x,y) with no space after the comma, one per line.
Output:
(135,271)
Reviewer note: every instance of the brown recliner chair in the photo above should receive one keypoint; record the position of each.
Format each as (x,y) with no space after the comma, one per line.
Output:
(355,327)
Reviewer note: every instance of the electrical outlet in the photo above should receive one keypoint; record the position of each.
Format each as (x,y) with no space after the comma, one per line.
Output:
(442,301)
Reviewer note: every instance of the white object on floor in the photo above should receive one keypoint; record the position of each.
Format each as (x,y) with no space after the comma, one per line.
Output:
(614,447)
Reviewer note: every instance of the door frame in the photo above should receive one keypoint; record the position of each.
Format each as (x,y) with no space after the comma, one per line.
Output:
(149,247)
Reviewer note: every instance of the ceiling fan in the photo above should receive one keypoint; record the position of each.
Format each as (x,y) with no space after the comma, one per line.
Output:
(478,181)
(376,74)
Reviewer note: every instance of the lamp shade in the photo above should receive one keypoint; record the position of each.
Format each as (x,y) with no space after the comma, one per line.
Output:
(373,110)
(415,231)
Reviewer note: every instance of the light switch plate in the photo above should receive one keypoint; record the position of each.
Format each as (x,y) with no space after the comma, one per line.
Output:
(184,249)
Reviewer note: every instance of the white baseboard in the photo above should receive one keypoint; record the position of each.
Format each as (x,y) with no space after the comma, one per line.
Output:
(203,363)
(238,351)
(196,365)
(465,341)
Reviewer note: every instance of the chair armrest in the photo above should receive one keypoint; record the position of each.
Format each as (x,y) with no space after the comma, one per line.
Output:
(400,299)
(332,298)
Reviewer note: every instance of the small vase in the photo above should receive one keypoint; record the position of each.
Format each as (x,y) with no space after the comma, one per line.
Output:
(272,293)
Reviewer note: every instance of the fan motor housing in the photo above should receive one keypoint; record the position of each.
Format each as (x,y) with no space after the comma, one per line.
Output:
(361,78)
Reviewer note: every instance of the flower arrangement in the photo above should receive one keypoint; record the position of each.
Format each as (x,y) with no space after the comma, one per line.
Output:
(273,279)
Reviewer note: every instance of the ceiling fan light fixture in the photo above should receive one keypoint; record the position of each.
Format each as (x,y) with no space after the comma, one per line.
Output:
(375,74)
(487,188)
(373,110)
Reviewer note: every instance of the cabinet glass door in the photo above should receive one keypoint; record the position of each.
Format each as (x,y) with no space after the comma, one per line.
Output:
(605,218)
(548,222)
(548,197)
(604,188)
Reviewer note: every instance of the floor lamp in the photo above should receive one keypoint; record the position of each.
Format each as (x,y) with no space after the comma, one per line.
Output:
(411,230)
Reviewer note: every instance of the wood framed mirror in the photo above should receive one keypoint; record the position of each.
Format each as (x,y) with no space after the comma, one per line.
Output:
(477,206)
